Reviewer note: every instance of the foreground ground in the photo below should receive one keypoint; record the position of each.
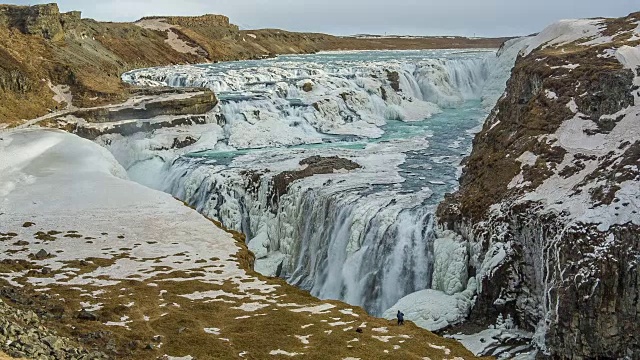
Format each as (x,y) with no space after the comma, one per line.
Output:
(134,274)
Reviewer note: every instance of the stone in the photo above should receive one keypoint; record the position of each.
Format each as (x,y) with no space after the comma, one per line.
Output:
(41,255)
(87,315)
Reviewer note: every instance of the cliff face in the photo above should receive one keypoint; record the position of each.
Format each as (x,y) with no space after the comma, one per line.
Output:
(548,202)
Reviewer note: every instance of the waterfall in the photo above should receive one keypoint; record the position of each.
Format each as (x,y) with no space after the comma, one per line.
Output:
(364,237)
(347,243)
(290,103)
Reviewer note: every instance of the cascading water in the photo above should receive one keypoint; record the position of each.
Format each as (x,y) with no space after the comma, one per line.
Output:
(363,236)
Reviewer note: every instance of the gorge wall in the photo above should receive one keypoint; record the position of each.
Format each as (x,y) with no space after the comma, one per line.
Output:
(548,203)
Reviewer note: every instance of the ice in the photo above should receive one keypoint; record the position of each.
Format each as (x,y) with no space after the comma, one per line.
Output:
(569,31)
(267,106)
(450,265)
(433,309)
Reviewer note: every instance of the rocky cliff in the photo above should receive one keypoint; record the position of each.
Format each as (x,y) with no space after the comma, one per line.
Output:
(549,199)
(41,47)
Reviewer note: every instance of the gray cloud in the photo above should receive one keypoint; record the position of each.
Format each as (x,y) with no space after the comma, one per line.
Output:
(426,17)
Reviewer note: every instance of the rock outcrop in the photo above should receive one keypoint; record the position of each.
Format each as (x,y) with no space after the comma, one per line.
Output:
(548,202)
(22,334)
(149,109)
(40,20)
(311,166)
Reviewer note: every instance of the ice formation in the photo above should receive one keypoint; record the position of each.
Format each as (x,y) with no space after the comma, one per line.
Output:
(292,102)
(364,236)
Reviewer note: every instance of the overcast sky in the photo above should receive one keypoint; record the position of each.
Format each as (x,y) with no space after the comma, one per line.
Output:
(344,17)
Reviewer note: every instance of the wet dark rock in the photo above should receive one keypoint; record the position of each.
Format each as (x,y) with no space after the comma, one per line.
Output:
(314,165)
(394,79)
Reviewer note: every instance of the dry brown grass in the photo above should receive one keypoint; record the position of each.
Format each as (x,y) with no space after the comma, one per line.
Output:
(180,322)
(4,356)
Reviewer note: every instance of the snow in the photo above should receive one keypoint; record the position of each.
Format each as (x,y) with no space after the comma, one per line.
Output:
(629,56)
(551,95)
(433,309)
(285,353)
(33,162)
(319,309)
(173,39)
(251,307)
(526,159)
(559,192)
(566,32)
(303,339)
(383,338)
(349,312)
(212,331)
(62,94)
(492,340)
(568,66)
(443,348)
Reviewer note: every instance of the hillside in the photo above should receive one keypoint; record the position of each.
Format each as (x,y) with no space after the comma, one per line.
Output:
(548,203)
(42,50)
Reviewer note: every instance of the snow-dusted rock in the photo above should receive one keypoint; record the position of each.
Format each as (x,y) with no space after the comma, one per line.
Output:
(548,202)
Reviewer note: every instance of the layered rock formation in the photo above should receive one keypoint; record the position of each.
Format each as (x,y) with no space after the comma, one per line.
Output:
(548,203)
(148,109)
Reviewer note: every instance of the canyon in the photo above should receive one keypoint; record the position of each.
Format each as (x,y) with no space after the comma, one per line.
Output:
(492,196)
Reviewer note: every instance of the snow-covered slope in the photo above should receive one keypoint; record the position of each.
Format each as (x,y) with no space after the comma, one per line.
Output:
(115,266)
(549,199)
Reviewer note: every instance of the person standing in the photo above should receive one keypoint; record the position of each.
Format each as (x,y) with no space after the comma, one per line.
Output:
(400,318)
